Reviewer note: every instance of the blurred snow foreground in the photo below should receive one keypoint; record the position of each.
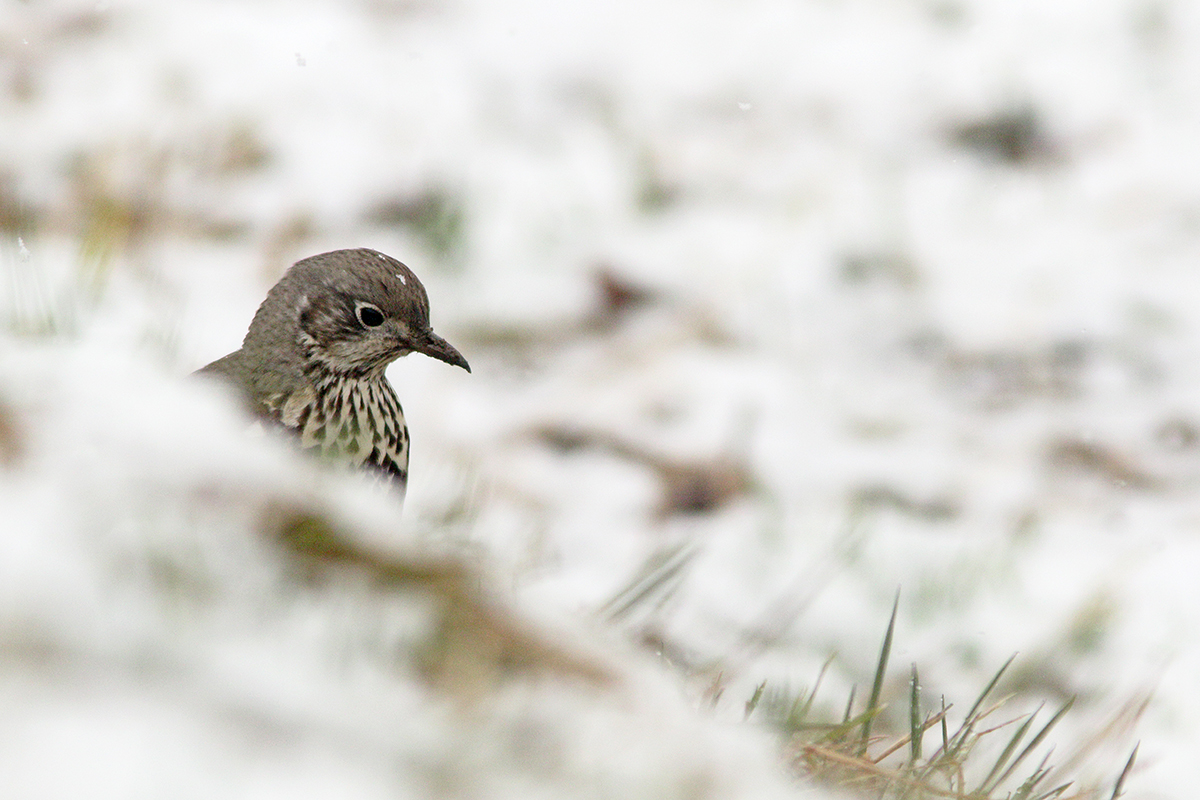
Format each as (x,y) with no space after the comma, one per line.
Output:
(188,611)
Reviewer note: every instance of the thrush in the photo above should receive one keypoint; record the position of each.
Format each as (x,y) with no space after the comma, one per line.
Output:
(314,358)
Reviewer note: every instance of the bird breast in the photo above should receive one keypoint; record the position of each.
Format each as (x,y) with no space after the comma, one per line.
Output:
(351,421)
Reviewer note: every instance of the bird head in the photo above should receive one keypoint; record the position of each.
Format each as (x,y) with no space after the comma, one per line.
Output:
(356,311)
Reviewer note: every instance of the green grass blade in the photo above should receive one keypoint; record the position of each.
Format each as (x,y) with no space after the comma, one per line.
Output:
(915,729)
(844,732)
(812,695)
(885,653)
(939,754)
(655,575)
(1036,740)
(987,785)
(945,738)
(797,712)
(1120,785)
(956,741)
(849,704)
(1055,792)
(752,703)
(988,689)
(1026,789)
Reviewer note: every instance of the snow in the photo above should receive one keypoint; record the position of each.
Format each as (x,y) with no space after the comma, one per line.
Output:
(964,375)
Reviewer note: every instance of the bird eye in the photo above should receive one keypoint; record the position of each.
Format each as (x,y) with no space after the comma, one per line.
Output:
(369,315)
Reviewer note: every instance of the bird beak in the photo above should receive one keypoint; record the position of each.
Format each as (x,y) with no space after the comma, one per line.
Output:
(435,346)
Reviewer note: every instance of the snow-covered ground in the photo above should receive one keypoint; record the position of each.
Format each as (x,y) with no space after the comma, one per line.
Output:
(814,300)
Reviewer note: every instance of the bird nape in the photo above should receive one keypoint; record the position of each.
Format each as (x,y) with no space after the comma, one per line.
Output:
(313,360)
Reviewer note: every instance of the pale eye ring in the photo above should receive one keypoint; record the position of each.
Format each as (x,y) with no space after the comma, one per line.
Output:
(369,316)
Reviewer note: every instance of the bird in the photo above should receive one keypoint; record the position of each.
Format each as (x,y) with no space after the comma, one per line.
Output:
(314,357)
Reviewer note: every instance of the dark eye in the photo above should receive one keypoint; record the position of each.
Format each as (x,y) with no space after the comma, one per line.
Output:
(369,316)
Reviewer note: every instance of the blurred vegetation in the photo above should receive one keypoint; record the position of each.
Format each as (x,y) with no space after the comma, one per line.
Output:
(843,752)
(435,214)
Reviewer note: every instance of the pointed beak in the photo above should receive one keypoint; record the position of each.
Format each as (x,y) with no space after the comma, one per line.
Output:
(435,346)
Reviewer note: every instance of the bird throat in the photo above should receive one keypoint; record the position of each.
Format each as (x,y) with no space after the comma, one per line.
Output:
(352,421)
